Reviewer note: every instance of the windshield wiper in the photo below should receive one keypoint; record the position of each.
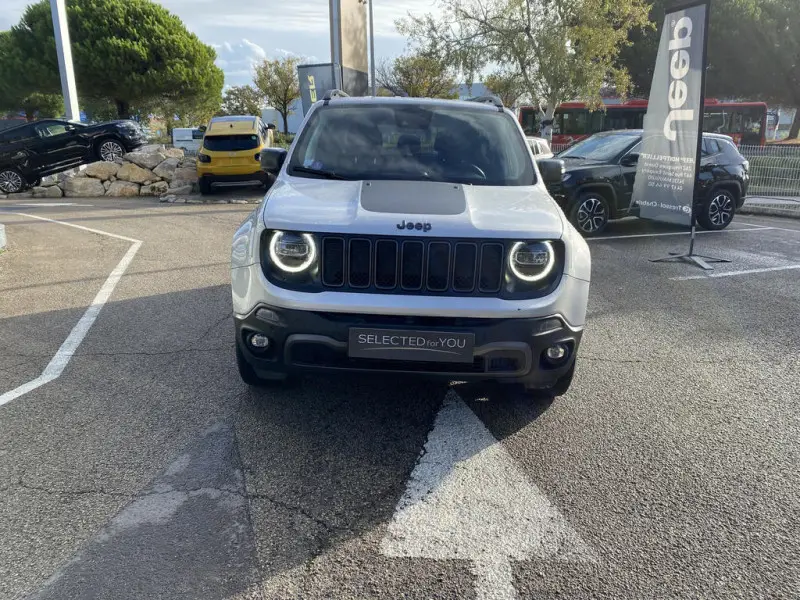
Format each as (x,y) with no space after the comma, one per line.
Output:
(320,172)
(575,156)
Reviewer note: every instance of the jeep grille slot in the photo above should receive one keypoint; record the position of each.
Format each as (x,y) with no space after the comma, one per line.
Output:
(333,261)
(386,255)
(465,267)
(360,263)
(411,265)
(491,270)
(438,266)
(379,264)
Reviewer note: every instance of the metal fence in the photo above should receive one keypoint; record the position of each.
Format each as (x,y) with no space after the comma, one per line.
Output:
(774,169)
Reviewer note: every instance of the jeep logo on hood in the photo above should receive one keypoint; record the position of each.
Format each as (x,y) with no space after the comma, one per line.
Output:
(418,226)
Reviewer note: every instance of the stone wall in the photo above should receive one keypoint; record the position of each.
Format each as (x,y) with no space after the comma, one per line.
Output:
(149,171)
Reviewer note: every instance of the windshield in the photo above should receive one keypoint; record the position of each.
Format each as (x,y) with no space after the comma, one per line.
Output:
(600,147)
(230,143)
(413,142)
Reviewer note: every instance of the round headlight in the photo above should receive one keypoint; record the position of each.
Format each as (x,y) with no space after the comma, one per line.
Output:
(292,252)
(531,262)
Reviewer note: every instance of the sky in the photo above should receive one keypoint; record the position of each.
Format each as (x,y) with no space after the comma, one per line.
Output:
(245,31)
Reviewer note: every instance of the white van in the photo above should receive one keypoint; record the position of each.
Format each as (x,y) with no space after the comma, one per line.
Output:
(188,138)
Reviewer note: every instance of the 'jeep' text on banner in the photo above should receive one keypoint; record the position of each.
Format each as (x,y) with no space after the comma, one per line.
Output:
(665,174)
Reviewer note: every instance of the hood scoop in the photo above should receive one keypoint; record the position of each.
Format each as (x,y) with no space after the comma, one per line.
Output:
(413,197)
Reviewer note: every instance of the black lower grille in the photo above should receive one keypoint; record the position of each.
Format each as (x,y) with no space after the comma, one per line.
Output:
(412,265)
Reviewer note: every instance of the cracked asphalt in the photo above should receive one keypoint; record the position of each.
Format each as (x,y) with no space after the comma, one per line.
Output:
(148,470)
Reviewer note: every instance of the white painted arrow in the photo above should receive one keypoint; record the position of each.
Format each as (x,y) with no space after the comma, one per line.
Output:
(468,499)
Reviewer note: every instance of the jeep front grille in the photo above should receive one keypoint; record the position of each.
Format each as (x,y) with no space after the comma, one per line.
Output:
(382,265)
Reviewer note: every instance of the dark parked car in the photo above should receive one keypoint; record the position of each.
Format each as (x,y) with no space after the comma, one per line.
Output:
(597,185)
(29,152)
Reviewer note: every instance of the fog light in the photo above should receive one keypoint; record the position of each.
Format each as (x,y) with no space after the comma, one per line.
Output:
(556,352)
(259,341)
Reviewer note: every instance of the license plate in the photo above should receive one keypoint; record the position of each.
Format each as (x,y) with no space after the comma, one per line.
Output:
(388,344)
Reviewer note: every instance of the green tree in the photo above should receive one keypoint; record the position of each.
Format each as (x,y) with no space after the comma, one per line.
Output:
(560,49)
(16,97)
(506,85)
(242,100)
(277,82)
(127,51)
(753,51)
(418,75)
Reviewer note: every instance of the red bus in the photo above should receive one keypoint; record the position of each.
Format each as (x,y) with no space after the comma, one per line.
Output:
(745,122)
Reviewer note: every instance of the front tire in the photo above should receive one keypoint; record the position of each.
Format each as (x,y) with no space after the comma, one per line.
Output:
(109,150)
(717,212)
(11,181)
(590,214)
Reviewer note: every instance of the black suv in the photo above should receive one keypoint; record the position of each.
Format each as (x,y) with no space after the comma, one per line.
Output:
(29,152)
(597,185)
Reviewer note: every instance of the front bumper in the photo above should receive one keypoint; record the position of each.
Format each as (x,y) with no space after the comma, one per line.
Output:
(505,349)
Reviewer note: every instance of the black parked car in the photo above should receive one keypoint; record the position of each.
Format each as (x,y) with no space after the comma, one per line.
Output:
(29,152)
(597,185)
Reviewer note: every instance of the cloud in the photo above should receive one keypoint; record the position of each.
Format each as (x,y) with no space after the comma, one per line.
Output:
(255,49)
(228,46)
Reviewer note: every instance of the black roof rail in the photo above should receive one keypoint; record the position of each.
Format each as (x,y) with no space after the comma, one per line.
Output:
(330,94)
(488,100)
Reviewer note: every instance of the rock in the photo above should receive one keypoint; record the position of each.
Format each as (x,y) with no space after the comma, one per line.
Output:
(107,184)
(183,190)
(183,176)
(49,180)
(146,160)
(193,201)
(80,173)
(151,148)
(148,182)
(113,177)
(239,202)
(123,189)
(173,152)
(168,198)
(156,189)
(131,172)
(20,195)
(102,170)
(83,187)
(189,163)
(166,170)
(3,196)
(52,191)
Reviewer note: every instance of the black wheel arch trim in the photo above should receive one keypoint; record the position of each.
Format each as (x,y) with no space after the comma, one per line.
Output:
(732,186)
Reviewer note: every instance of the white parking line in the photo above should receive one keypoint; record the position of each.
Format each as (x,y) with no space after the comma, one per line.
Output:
(734,273)
(646,235)
(57,364)
(769,227)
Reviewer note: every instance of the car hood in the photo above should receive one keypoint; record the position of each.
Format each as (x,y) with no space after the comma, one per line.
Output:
(584,163)
(433,209)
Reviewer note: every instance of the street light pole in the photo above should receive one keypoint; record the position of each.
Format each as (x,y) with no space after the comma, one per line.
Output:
(64,52)
(372,49)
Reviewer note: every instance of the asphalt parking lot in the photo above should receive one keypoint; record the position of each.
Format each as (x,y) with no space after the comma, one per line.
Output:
(135,464)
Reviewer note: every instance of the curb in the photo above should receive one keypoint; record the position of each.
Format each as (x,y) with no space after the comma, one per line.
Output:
(771,210)
(2,237)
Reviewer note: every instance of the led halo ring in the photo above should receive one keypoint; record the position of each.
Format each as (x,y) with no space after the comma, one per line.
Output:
(273,254)
(531,278)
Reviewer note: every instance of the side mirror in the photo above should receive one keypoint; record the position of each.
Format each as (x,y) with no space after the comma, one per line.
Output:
(202,128)
(552,170)
(272,160)
(630,160)
(271,126)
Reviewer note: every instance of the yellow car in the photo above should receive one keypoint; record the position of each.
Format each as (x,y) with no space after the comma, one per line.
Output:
(231,152)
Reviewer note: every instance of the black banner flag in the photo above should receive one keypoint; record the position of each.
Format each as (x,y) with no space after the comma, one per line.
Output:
(670,150)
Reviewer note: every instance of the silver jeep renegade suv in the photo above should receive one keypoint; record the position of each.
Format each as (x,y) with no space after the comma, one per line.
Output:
(409,236)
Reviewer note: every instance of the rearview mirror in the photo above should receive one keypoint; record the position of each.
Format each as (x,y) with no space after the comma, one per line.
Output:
(552,170)
(630,160)
(272,160)
(271,126)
